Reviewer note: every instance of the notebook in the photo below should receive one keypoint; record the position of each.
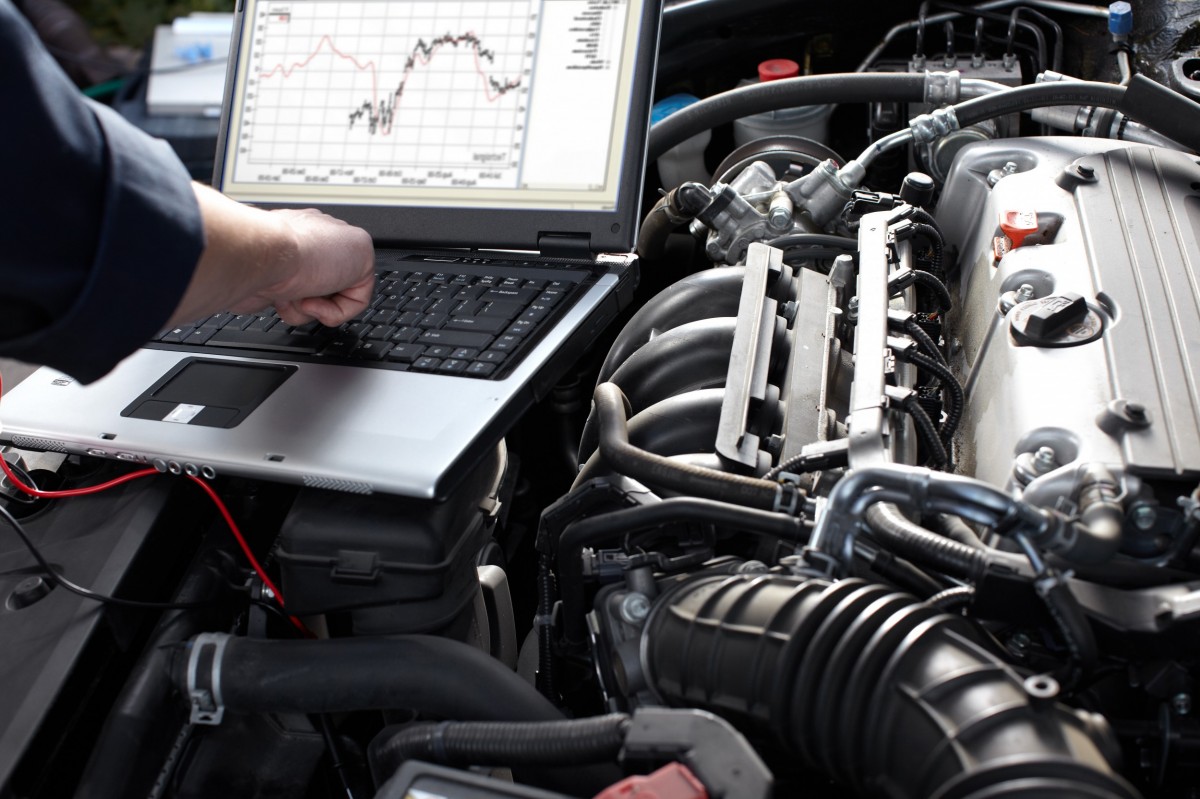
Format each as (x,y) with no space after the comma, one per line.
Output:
(486,145)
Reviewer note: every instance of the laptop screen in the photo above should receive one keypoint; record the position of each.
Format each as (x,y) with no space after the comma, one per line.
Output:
(433,103)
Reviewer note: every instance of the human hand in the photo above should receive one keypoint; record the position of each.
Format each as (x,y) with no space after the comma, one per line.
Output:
(307,264)
(328,276)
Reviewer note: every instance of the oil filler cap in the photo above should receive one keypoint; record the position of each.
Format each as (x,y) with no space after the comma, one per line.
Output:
(1060,320)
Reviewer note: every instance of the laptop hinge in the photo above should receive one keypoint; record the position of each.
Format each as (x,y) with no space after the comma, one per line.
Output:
(565,245)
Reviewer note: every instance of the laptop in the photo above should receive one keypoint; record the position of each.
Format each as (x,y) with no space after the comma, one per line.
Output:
(495,151)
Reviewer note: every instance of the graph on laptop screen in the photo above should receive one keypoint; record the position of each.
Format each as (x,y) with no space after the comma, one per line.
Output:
(468,102)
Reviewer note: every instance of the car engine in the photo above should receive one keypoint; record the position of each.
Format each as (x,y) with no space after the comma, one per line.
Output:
(888,487)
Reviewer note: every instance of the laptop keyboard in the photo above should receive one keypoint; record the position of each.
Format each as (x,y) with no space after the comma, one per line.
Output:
(470,317)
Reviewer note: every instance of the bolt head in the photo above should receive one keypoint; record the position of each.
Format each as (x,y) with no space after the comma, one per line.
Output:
(1086,171)
(1182,704)
(1144,517)
(635,607)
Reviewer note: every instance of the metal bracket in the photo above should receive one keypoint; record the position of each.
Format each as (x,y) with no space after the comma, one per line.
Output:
(715,752)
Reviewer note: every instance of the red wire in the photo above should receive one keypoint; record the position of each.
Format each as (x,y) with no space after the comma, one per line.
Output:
(221,508)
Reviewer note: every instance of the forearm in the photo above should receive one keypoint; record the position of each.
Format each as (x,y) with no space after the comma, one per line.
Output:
(245,251)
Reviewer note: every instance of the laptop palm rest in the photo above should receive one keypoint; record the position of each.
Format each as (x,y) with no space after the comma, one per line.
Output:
(209,393)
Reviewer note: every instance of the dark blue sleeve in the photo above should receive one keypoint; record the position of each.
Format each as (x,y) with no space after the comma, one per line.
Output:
(99,228)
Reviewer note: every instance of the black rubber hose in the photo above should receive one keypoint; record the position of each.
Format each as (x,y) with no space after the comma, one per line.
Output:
(886,695)
(498,743)
(793,240)
(614,526)
(866,87)
(678,207)
(900,572)
(658,471)
(953,597)
(956,529)
(139,720)
(435,676)
(924,491)
(1038,95)
(891,529)
(690,357)
(1068,616)
(685,424)
(713,292)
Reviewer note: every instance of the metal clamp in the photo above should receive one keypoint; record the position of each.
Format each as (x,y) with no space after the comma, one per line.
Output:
(207,703)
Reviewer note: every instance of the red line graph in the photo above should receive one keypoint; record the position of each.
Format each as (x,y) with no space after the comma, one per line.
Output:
(380,114)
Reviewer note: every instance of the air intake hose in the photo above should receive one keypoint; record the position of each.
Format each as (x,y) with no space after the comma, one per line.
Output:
(883,693)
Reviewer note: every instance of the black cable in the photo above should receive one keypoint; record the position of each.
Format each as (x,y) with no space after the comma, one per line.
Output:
(927,279)
(950,385)
(793,240)
(939,453)
(78,590)
(925,341)
(336,757)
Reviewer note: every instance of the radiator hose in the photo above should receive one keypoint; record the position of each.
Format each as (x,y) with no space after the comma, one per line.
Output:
(885,694)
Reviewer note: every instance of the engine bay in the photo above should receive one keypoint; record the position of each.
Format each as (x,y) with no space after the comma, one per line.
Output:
(886,486)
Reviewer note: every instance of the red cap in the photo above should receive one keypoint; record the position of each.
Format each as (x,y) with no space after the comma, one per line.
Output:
(672,781)
(1018,223)
(777,68)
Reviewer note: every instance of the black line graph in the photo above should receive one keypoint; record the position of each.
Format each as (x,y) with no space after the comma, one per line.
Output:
(403,90)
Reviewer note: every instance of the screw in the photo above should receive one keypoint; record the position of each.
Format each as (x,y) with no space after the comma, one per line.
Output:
(1024,293)
(1144,517)
(1181,703)
(852,310)
(1135,410)
(1085,171)
(1019,644)
(1044,460)
(635,607)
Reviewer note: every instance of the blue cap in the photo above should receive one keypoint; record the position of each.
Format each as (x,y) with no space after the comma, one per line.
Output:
(669,105)
(1120,18)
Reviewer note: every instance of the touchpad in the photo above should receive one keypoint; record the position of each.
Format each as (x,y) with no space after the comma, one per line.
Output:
(209,393)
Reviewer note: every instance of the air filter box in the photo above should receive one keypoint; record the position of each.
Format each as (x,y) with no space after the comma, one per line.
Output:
(394,564)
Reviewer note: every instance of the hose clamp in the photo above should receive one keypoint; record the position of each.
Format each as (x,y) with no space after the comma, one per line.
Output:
(208,651)
(934,125)
(943,88)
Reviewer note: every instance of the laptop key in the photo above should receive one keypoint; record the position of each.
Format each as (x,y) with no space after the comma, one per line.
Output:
(504,310)
(453,366)
(487,325)
(372,350)
(456,338)
(176,335)
(406,335)
(405,353)
(438,351)
(279,340)
(506,343)
(200,335)
(481,369)
(465,353)
(501,294)
(491,356)
(426,364)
